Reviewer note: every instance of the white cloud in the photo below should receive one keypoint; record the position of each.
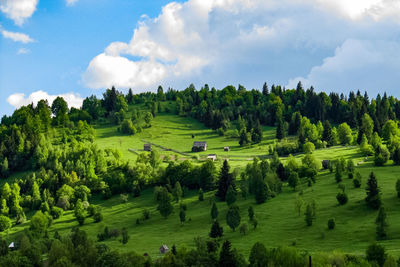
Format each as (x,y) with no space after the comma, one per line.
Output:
(239,41)
(19,99)
(18,10)
(71,2)
(357,64)
(17,36)
(23,51)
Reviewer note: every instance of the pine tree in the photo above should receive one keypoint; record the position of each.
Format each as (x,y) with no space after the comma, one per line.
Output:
(216,230)
(214,211)
(256,133)
(373,198)
(265,90)
(164,203)
(381,224)
(226,257)
(327,133)
(129,97)
(261,192)
(230,196)
(280,130)
(233,217)
(225,180)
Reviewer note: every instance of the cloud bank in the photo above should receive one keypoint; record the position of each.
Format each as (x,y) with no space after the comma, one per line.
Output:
(321,42)
(19,99)
(18,10)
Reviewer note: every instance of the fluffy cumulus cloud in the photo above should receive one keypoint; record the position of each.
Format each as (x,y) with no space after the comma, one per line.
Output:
(17,36)
(19,99)
(362,64)
(18,10)
(252,41)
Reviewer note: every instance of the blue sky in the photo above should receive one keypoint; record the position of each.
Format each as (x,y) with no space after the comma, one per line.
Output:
(76,48)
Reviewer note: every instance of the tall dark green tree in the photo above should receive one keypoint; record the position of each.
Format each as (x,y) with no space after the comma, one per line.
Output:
(280,130)
(233,217)
(225,180)
(59,108)
(214,211)
(381,224)
(216,230)
(373,198)
(327,133)
(164,202)
(265,90)
(129,97)
(256,133)
(226,256)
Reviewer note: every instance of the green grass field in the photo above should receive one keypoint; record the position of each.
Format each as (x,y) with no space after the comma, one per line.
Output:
(279,223)
(176,132)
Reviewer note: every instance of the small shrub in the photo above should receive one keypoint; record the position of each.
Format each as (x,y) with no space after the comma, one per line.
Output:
(124,198)
(146,214)
(243,228)
(357,182)
(331,224)
(342,198)
(98,217)
(5,223)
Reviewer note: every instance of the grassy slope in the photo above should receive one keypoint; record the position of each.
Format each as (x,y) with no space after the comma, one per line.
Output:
(175,132)
(279,224)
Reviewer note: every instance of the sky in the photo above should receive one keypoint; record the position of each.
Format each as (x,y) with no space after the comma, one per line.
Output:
(76,48)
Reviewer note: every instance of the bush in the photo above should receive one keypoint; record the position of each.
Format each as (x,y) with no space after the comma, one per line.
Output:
(146,214)
(342,198)
(376,253)
(331,224)
(56,212)
(127,127)
(5,223)
(98,217)
(243,228)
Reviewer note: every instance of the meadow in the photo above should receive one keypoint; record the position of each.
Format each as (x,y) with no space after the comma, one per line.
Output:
(279,224)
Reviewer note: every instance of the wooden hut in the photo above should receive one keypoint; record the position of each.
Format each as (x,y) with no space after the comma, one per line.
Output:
(147,147)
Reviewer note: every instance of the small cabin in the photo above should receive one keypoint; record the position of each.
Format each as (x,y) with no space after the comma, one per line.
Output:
(12,246)
(226,148)
(164,249)
(147,147)
(213,157)
(325,164)
(199,146)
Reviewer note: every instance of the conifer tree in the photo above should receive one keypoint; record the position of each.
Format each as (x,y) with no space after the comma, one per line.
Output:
(381,223)
(373,198)
(214,211)
(225,180)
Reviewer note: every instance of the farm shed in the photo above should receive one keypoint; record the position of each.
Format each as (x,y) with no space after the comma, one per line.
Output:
(164,249)
(199,146)
(213,157)
(147,147)
(226,148)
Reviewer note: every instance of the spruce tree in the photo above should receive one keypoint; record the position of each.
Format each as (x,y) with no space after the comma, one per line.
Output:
(214,211)
(230,196)
(280,130)
(233,217)
(381,224)
(226,257)
(216,230)
(225,180)
(265,90)
(373,198)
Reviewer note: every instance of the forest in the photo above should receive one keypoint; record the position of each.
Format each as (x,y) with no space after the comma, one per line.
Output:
(60,171)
